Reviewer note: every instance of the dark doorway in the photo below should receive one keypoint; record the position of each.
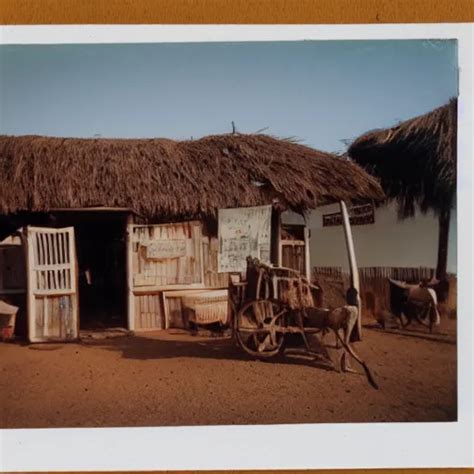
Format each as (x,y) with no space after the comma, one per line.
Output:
(101,258)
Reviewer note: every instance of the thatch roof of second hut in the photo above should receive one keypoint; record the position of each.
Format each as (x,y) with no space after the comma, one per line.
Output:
(414,160)
(173,178)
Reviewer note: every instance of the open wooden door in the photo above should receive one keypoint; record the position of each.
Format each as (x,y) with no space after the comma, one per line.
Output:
(52,298)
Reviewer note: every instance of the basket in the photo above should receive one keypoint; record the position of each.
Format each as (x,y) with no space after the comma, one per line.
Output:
(208,309)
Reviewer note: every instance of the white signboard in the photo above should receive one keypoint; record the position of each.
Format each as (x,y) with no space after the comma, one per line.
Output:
(161,249)
(243,232)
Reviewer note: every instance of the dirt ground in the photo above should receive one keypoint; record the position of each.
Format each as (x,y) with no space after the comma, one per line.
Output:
(174,379)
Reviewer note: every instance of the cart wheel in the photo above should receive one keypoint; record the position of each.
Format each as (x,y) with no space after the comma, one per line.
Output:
(259,328)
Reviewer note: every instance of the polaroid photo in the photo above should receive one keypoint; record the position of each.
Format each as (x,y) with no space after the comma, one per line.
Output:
(236,247)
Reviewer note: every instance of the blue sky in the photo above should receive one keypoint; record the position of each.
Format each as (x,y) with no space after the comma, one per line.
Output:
(322,92)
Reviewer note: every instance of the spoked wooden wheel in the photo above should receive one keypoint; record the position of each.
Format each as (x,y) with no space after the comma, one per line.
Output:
(260,328)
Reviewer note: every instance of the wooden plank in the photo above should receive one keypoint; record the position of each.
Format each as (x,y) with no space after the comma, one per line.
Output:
(148,311)
(151,305)
(307,256)
(42,252)
(54,319)
(143,312)
(37,331)
(31,284)
(52,266)
(56,316)
(159,305)
(135,312)
(200,250)
(151,308)
(59,238)
(72,313)
(46,315)
(159,311)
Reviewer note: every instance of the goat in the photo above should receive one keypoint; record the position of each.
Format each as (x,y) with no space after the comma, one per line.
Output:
(414,302)
(342,318)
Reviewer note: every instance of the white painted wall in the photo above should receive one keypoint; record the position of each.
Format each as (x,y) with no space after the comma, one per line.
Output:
(389,242)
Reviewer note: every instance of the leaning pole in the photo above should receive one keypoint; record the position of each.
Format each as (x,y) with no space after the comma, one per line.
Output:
(354,272)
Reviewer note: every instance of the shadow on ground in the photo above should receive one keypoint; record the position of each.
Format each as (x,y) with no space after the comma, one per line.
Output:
(152,347)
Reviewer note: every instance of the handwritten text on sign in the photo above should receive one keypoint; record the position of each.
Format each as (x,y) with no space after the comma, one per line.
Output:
(160,249)
(243,232)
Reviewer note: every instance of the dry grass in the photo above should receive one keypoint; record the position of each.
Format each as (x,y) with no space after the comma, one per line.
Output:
(160,177)
(415,160)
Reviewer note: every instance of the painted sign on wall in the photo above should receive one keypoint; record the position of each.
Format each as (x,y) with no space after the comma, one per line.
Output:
(161,249)
(243,232)
(358,215)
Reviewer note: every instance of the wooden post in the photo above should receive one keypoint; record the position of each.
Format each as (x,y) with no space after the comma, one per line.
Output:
(129,256)
(307,260)
(354,272)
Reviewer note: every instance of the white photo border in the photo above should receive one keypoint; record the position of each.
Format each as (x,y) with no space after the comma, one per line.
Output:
(361,445)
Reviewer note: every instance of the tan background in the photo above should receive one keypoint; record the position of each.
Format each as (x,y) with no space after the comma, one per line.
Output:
(243,11)
(234,11)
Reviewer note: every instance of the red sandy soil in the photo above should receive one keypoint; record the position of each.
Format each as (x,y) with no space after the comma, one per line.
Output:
(167,379)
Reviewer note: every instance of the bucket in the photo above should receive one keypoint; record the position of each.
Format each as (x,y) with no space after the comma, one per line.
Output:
(7,333)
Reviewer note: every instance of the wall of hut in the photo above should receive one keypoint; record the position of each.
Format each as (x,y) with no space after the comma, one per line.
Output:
(173,277)
(387,242)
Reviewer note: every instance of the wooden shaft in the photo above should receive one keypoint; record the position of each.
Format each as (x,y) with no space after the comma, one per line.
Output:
(354,272)
(307,259)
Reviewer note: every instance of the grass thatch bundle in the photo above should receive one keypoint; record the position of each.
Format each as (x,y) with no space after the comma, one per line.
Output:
(159,177)
(414,160)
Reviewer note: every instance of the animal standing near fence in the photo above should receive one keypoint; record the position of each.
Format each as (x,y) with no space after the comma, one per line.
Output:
(414,303)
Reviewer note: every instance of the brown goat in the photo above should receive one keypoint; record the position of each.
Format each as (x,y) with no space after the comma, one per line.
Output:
(343,318)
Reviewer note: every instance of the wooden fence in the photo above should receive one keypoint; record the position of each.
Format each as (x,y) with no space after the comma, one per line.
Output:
(374,285)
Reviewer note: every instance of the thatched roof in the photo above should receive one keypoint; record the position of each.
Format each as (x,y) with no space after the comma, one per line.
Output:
(160,177)
(414,160)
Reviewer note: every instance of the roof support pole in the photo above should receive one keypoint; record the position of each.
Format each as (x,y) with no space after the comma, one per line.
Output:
(354,272)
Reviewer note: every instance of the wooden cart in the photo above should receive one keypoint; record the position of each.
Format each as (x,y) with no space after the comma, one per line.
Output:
(268,306)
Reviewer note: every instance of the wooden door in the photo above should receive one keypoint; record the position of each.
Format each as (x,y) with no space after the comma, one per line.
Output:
(294,244)
(52,297)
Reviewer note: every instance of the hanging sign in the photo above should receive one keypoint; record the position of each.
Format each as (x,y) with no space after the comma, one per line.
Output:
(358,215)
(161,249)
(243,232)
